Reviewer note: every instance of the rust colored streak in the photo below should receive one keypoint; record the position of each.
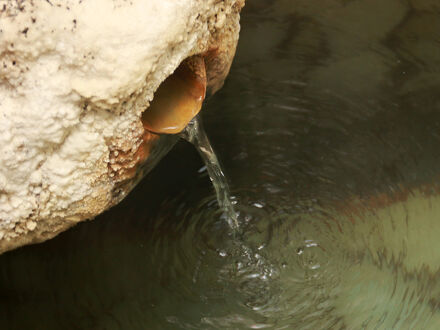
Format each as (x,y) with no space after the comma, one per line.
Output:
(124,164)
(357,206)
(145,148)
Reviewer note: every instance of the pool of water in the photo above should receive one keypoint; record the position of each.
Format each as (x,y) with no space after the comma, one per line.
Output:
(328,129)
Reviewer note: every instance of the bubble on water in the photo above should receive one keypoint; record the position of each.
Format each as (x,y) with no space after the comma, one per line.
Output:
(222,253)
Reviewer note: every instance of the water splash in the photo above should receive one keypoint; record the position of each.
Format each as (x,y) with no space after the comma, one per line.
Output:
(196,135)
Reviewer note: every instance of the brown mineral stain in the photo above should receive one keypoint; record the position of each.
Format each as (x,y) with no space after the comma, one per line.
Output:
(178,99)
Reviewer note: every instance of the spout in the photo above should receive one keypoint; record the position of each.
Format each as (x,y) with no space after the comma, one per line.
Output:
(178,99)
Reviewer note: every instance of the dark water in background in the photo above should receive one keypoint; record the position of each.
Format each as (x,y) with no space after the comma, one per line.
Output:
(328,130)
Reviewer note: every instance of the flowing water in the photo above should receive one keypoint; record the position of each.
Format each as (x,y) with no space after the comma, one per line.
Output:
(329,130)
(195,134)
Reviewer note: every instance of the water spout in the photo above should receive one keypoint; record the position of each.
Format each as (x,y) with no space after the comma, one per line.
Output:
(196,135)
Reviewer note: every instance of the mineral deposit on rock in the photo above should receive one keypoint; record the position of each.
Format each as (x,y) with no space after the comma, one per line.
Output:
(75,78)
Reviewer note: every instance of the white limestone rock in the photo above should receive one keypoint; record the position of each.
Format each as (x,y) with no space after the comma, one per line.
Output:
(75,77)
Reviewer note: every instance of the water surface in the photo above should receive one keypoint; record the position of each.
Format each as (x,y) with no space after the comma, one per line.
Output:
(328,129)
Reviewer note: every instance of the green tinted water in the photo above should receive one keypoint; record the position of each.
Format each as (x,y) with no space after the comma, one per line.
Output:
(328,130)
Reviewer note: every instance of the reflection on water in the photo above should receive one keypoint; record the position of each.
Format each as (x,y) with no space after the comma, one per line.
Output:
(328,130)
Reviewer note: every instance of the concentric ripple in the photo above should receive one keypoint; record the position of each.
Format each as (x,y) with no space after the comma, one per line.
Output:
(328,130)
(308,270)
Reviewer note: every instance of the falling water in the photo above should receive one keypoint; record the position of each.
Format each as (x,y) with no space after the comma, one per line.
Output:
(196,135)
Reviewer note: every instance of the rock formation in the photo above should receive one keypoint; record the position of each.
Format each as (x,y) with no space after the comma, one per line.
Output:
(76,81)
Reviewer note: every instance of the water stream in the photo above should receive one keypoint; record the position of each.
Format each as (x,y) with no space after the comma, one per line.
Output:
(196,135)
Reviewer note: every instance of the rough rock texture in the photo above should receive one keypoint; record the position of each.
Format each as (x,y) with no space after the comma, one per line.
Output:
(75,77)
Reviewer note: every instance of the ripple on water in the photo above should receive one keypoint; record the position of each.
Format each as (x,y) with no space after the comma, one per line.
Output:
(326,100)
(315,269)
